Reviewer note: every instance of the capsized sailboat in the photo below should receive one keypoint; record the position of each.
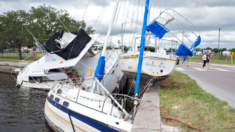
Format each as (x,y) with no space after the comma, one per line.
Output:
(63,49)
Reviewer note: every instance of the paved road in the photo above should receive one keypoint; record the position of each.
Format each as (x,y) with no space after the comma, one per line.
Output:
(219,80)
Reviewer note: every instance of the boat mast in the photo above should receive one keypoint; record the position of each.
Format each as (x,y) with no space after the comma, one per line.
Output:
(99,73)
(142,42)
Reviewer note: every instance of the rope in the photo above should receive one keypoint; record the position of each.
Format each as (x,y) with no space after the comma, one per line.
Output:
(101,13)
(85,10)
(103,16)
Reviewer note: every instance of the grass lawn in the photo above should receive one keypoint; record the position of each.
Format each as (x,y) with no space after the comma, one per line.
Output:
(214,59)
(16,56)
(187,101)
(3,60)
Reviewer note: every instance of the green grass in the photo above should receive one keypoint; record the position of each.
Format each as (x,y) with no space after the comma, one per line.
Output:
(214,59)
(195,106)
(3,60)
(16,56)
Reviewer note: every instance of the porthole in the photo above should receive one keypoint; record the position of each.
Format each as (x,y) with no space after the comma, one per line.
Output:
(52,96)
(65,103)
(57,99)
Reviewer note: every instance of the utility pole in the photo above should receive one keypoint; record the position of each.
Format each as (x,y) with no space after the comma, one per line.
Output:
(219,39)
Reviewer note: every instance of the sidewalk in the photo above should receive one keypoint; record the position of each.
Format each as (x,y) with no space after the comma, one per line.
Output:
(147,118)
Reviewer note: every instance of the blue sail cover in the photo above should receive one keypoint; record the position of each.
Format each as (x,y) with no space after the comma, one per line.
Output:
(100,71)
(157,29)
(196,43)
(184,58)
(183,50)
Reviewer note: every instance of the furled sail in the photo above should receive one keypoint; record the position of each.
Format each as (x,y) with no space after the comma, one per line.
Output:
(196,43)
(67,45)
(100,69)
(157,29)
(184,51)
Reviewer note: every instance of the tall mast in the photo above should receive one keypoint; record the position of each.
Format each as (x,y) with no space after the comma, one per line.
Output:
(100,68)
(142,42)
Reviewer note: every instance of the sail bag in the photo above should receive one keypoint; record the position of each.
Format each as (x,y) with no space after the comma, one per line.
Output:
(157,29)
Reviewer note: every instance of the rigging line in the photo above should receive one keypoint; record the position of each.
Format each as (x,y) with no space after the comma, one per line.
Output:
(128,12)
(183,17)
(124,20)
(103,16)
(63,25)
(85,10)
(176,29)
(180,23)
(116,18)
(101,13)
(57,17)
(137,22)
(132,17)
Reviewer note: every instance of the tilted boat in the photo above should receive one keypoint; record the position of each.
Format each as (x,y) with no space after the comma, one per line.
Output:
(92,105)
(63,49)
(157,65)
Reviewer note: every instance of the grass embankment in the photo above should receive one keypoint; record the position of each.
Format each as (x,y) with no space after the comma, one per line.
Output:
(187,101)
(214,59)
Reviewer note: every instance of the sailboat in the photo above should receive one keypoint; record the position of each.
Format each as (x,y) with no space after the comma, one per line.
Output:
(42,73)
(157,64)
(90,105)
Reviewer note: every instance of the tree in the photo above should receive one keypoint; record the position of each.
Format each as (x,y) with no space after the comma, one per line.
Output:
(11,27)
(208,48)
(233,50)
(42,22)
(45,21)
(215,50)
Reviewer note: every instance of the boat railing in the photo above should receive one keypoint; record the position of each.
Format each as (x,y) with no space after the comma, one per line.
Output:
(112,97)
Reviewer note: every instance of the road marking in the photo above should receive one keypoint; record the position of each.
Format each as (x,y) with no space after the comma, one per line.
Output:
(179,69)
(220,69)
(198,69)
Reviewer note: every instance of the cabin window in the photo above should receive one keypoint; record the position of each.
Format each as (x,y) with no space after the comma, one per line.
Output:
(57,99)
(65,103)
(52,96)
(54,70)
(94,48)
(39,79)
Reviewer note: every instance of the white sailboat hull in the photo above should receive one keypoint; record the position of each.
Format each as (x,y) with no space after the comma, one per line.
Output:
(155,66)
(89,112)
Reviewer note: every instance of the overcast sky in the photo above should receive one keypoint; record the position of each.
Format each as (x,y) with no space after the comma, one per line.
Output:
(207,15)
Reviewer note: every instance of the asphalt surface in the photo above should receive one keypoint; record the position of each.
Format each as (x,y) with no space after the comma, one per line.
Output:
(219,80)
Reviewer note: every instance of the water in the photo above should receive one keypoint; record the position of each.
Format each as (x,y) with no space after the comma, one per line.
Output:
(21,110)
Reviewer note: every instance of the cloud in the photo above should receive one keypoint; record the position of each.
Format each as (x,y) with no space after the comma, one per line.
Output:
(207,15)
